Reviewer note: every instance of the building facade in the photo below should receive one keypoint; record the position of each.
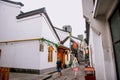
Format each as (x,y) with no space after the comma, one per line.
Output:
(103,26)
(27,40)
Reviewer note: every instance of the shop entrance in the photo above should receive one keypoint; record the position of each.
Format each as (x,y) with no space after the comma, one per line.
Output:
(62,53)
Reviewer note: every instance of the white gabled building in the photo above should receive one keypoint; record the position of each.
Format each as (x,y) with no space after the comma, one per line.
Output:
(71,42)
(63,50)
(27,40)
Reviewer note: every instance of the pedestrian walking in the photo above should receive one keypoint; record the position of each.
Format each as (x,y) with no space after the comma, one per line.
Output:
(59,67)
(75,66)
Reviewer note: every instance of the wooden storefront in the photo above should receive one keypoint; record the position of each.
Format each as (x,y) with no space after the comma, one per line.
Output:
(62,53)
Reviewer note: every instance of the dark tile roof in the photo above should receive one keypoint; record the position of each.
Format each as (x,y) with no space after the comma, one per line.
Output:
(76,38)
(31,13)
(38,11)
(63,41)
(13,2)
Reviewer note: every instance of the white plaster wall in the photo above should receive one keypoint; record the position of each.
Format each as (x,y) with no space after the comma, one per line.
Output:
(14,29)
(23,54)
(87,10)
(47,31)
(44,64)
(8,13)
(48,34)
(91,55)
(67,43)
(62,35)
(98,57)
(28,28)
(9,8)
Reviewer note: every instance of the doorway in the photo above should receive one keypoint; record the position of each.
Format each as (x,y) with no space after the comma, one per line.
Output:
(62,53)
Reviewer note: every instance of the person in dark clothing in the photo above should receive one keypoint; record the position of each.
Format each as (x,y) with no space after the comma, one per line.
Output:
(59,66)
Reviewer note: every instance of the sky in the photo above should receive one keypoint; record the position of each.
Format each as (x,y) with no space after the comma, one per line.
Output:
(61,12)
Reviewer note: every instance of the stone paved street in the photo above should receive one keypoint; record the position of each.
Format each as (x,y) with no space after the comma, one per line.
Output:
(67,74)
(24,76)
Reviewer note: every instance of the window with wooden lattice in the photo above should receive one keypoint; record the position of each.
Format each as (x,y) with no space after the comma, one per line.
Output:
(50,53)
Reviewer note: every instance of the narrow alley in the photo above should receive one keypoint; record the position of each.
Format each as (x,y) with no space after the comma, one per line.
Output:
(67,74)
(39,39)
